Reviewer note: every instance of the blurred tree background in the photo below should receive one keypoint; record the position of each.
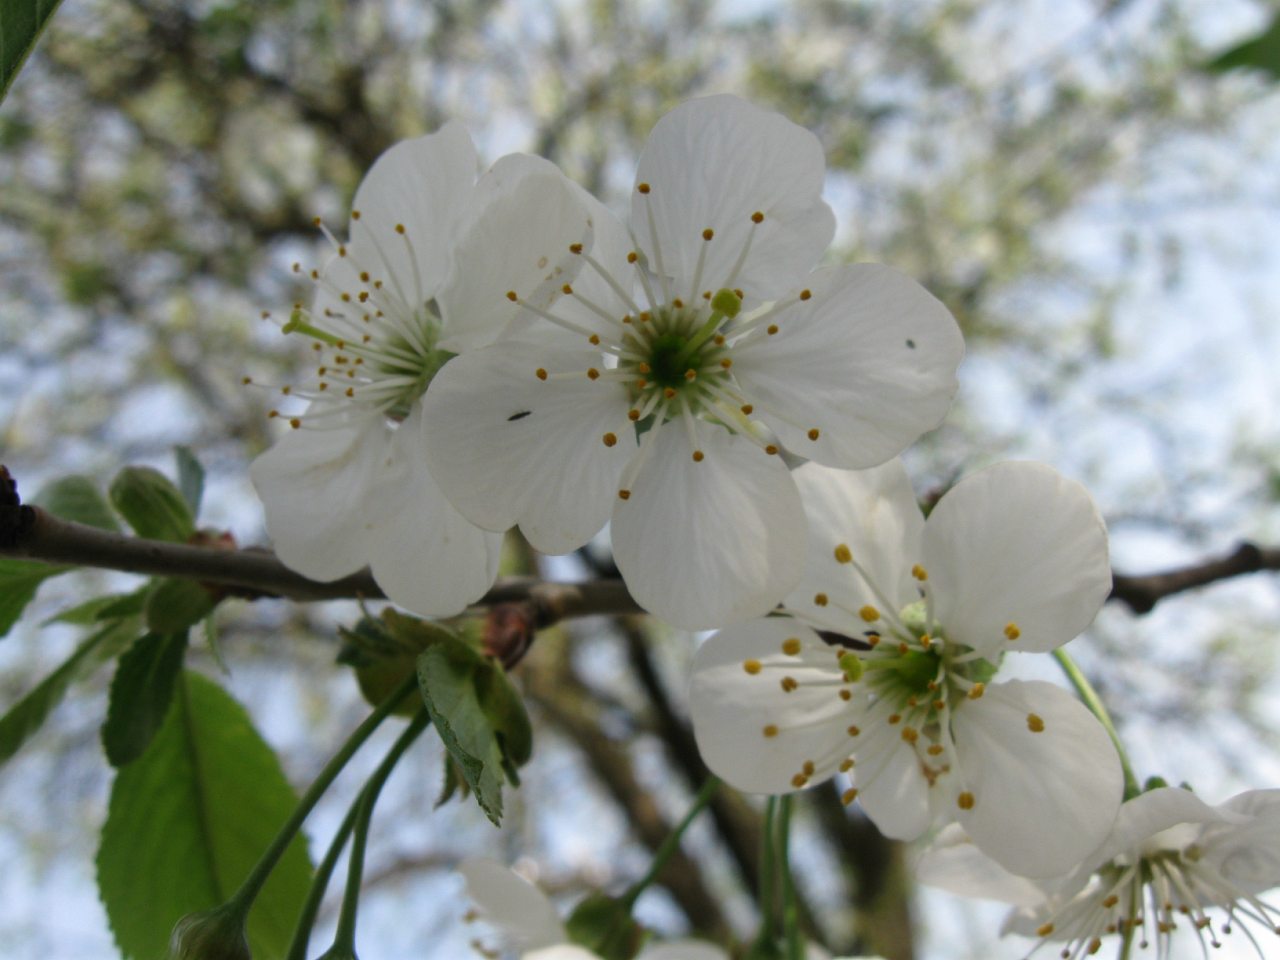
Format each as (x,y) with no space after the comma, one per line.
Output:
(1097,208)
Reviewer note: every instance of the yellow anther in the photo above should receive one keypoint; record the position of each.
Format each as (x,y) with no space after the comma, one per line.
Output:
(624,494)
(813,434)
(808,768)
(791,646)
(843,554)
(1111,901)
(632,257)
(1035,723)
(718,340)
(846,765)
(920,573)
(746,409)
(978,690)
(771,329)
(895,718)
(351,391)
(677,303)
(1011,631)
(799,781)
(789,684)
(846,695)
(965,801)
(633,415)
(708,233)
(593,373)
(849,796)
(770,730)
(594,339)
(669,393)
(698,456)
(726,363)
(821,599)
(904,647)
(771,450)
(910,734)
(355,214)
(869,613)
(757,217)
(805,294)
(739,293)
(566,289)
(934,749)
(853,731)
(643,367)
(938,704)
(295,423)
(752,666)
(926,641)
(1044,930)
(575,248)
(642,187)
(691,374)
(542,374)
(610,439)
(400,228)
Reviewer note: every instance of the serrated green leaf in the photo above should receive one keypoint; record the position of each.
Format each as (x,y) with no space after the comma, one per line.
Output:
(141,692)
(451,783)
(385,651)
(152,505)
(190,478)
(112,606)
(26,716)
(505,710)
(458,688)
(187,821)
(175,606)
(20,24)
(1260,52)
(78,498)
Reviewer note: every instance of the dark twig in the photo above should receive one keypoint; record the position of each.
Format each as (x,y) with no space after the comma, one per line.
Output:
(1141,594)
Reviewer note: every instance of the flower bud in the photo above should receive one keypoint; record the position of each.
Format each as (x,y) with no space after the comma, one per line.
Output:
(216,934)
(604,926)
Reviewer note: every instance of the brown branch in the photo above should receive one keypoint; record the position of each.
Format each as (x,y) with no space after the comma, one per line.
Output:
(31,533)
(1142,593)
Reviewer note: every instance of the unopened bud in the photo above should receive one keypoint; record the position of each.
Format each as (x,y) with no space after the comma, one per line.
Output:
(216,934)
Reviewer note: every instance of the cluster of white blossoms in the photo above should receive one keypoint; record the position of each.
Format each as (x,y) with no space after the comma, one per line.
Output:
(499,349)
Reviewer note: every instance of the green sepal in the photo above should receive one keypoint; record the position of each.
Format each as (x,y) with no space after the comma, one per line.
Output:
(603,925)
(140,695)
(385,651)
(152,505)
(216,934)
(175,606)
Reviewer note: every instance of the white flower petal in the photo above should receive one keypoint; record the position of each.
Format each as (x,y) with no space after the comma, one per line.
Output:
(563,951)
(703,544)
(425,555)
(683,950)
(1045,778)
(312,482)
(507,447)
(891,788)
(1247,853)
(875,514)
(730,708)
(869,362)
(954,863)
(1016,543)
(423,185)
(712,163)
(517,238)
(512,903)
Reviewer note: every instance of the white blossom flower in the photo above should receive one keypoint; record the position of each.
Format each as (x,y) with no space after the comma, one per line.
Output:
(531,926)
(1169,860)
(921,612)
(350,485)
(694,346)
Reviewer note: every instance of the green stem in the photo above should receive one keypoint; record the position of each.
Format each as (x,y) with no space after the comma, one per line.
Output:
(765,895)
(344,940)
(1091,700)
(672,842)
(249,890)
(319,884)
(790,913)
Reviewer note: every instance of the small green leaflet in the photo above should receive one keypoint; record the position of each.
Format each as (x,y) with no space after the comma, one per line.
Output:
(187,821)
(190,478)
(26,716)
(20,24)
(141,692)
(1260,52)
(479,717)
(152,505)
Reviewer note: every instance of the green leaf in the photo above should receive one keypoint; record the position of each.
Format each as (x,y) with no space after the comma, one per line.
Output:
(385,651)
(19,580)
(472,713)
(77,498)
(141,692)
(112,606)
(26,716)
(20,24)
(154,507)
(190,478)
(175,606)
(188,820)
(1260,52)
